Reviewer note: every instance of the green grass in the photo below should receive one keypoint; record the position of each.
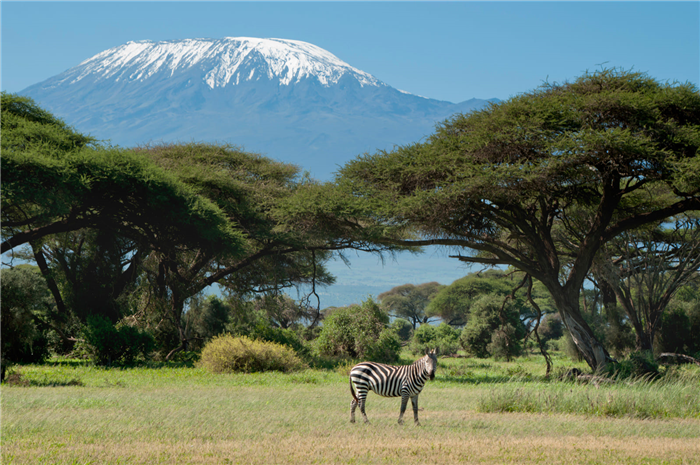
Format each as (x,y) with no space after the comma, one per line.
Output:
(72,413)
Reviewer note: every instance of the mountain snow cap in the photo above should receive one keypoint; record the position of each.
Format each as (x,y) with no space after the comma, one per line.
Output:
(222,62)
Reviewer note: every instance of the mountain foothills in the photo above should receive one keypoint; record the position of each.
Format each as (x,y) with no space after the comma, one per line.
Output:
(287,99)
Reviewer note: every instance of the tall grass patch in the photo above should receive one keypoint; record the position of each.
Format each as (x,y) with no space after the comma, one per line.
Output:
(642,398)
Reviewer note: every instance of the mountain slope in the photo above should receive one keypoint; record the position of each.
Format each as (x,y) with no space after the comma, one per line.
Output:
(290,100)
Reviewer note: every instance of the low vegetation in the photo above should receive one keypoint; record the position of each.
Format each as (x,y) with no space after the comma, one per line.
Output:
(228,354)
(476,410)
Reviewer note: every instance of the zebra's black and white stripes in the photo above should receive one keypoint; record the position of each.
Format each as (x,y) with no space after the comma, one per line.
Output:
(391,381)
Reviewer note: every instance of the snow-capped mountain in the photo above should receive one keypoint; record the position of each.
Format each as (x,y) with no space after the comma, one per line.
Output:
(222,62)
(288,99)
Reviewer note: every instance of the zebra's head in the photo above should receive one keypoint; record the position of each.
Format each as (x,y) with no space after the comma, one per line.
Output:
(431,362)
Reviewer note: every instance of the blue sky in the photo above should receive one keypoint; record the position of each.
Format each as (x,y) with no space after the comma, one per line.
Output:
(448,50)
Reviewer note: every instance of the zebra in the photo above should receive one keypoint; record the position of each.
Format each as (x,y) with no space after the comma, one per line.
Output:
(391,381)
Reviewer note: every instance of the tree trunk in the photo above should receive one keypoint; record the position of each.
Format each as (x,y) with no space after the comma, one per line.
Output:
(592,350)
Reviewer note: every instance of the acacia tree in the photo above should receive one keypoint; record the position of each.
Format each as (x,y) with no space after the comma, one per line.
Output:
(56,180)
(409,301)
(255,194)
(645,268)
(542,181)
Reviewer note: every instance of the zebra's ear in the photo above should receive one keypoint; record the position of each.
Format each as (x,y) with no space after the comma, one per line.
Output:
(436,351)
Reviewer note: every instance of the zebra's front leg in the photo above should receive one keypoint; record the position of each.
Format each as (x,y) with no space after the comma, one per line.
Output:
(404,402)
(414,401)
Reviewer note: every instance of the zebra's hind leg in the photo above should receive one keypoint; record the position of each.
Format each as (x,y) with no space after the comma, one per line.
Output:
(353,406)
(362,409)
(414,401)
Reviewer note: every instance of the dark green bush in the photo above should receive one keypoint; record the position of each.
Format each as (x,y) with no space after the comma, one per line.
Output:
(206,318)
(443,337)
(488,316)
(228,354)
(107,344)
(25,301)
(506,343)
(358,332)
(639,364)
(287,337)
(403,328)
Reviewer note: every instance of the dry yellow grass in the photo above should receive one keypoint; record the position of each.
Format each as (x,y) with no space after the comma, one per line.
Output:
(306,423)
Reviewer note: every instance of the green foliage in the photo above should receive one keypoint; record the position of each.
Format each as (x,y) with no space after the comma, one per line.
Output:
(443,337)
(25,302)
(359,332)
(26,126)
(452,303)
(206,318)
(636,365)
(107,344)
(542,181)
(409,301)
(494,327)
(286,337)
(403,328)
(228,354)
(680,327)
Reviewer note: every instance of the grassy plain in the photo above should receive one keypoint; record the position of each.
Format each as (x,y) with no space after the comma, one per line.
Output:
(76,414)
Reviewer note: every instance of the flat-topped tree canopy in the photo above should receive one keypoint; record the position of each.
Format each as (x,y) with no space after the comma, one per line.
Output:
(57,180)
(542,180)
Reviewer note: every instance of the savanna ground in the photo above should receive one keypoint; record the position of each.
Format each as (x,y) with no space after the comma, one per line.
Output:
(476,411)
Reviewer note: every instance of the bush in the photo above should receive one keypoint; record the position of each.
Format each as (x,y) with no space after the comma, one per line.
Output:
(680,329)
(107,344)
(25,299)
(386,348)
(403,328)
(637,365)
(228,354)
(287,337)
(206,318)
(443,337)
(487,315)
(505,343)
(358,331)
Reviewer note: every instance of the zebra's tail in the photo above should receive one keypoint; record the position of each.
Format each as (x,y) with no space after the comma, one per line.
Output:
(352,391)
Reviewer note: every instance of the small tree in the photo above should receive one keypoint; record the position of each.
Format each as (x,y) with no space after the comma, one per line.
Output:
(409,301)
(452,303)
(359,332)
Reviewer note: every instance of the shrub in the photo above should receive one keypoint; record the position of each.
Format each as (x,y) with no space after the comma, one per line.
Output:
(505,343)
(443,337)
(228,354)
(107,344)
(487,315)
(637,365)
(386,348)
(358,332)
(287,337)
(25,298)
(403,328)
(206,318)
